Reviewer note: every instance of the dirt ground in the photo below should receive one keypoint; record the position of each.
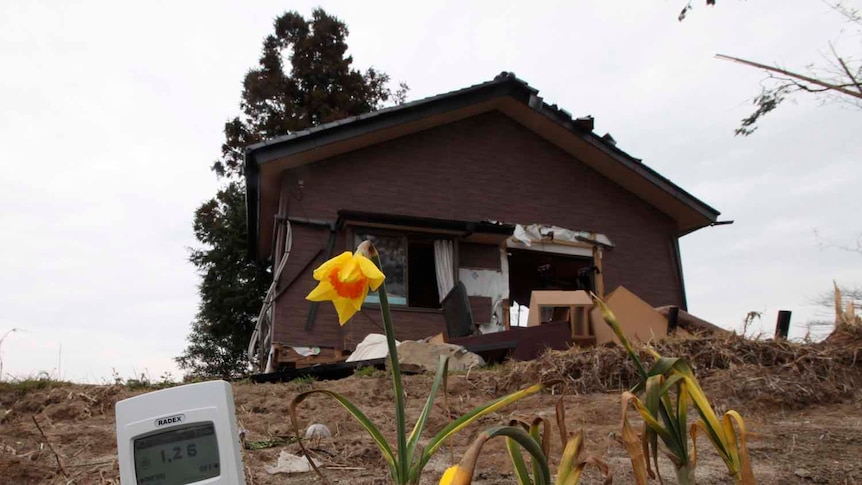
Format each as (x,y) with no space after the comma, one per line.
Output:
(793,443)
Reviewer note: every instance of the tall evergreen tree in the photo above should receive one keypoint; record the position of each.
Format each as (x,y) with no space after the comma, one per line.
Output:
(319,85)
(231,288)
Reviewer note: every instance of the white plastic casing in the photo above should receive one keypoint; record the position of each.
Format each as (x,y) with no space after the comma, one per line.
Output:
(176,408)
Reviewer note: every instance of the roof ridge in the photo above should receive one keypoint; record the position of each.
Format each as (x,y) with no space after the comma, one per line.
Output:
(502,78)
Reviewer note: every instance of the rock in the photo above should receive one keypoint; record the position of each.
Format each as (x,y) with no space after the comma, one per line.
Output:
(317,431)
(423,356)
(802,473)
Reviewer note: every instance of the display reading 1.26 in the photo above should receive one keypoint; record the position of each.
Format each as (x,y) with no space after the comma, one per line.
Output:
(176,453)
(178,456)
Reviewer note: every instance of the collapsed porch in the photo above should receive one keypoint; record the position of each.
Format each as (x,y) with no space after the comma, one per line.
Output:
(499,265)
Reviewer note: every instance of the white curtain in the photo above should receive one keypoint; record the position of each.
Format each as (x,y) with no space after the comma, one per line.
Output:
(444,265)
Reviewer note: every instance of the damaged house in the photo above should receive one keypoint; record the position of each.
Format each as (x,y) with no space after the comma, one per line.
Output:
(485,192)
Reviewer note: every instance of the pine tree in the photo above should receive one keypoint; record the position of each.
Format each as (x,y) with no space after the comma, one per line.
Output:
(318,86)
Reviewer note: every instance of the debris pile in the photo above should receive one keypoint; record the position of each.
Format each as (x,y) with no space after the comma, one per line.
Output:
(756,372)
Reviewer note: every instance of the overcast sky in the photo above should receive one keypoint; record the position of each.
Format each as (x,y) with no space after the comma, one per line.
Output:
(111,114)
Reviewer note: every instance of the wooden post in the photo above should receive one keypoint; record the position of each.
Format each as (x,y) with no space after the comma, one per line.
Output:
(782,325)
(599,276)
(506,314)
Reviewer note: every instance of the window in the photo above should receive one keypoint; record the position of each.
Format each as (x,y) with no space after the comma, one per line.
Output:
(408,263)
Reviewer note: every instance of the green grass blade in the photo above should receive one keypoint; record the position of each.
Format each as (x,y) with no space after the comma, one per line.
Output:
(518,464)
(669,382)
(454,427)
(522,438)
(663,365)
(712,425)
(416,433)
(611,320)
(649,419)
(682,403)
(544,440)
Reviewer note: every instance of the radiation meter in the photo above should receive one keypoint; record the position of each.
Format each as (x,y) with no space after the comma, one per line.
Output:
(178,436)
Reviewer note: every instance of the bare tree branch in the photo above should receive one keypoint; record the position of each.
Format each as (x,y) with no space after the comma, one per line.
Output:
(827,85)
(851,14)
(846,69)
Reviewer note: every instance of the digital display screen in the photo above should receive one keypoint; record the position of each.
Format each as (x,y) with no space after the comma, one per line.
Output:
(182,455)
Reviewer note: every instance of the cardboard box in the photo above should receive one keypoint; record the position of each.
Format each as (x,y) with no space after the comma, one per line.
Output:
(576,305)
(637,319)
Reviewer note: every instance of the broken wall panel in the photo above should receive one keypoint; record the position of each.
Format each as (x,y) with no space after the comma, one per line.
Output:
(487,290)
(479,256)
(636,318)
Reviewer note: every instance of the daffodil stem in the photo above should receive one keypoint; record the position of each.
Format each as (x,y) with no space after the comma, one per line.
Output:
(396,376)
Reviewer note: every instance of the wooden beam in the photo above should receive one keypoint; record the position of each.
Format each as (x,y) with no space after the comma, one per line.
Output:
(600,272)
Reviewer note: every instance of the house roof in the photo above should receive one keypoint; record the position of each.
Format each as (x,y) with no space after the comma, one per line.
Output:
(505,93)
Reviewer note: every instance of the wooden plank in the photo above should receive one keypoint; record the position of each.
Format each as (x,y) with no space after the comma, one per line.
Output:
(599,273)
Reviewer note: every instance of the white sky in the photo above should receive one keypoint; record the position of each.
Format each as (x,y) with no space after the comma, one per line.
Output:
(111,114)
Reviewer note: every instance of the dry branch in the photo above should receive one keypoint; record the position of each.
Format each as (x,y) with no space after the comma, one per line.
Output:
(51,447)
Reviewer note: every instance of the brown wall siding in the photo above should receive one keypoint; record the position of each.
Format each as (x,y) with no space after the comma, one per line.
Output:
(484,256)
(409,325)
(292,309)
(483,168)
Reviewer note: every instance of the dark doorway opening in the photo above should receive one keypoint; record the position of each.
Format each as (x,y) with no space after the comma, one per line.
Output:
(537,270)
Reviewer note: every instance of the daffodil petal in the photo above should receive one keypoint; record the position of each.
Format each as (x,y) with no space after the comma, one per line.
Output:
(323,292)
(371,271)
(345,308)
(448,475)
(357,302)
(350,271)
(455,475)
(322,272)
(345,280)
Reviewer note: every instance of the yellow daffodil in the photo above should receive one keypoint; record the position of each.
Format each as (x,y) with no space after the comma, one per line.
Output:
(455,475)
(345,280)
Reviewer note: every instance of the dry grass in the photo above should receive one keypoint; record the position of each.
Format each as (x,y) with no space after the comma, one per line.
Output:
(756,372)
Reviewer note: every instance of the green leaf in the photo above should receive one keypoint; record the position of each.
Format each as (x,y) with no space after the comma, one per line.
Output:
(454,427)
(610,319)
(416,433)
(543,439)
(403,463)
(518,462)
(663,365)
(517,435)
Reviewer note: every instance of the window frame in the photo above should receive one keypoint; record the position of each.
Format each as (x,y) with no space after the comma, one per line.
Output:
(353,230)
